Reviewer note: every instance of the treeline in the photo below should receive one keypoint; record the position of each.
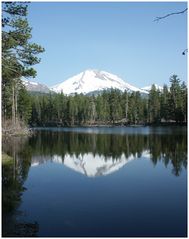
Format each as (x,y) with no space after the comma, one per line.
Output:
(111,107)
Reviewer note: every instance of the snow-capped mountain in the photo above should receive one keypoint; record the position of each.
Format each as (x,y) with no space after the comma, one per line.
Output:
(148,88)
(93,81)
(35,86)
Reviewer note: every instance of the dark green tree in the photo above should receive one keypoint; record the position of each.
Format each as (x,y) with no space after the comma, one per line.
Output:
(24,105)
(154,105)
(175,101)
(184,101)
(165,103)
(18,55)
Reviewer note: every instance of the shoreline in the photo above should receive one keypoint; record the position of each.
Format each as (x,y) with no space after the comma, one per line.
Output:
(25,132)
(107,125)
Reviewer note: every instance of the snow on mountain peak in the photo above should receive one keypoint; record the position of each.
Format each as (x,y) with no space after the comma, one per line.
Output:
(93,80)
(35,86)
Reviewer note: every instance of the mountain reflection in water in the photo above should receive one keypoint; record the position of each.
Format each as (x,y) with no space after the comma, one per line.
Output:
(88,164)
(100,154)
(95,154)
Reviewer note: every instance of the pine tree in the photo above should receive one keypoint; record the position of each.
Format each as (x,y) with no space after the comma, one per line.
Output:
(175,102)
(165,103)
(126,105)
(154,105)
(18,55)
(24,105)
(184,101)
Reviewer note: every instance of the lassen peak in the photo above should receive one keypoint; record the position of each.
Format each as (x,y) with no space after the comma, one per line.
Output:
(92,80)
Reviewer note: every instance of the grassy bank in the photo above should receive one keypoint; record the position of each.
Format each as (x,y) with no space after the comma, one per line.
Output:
(6,159)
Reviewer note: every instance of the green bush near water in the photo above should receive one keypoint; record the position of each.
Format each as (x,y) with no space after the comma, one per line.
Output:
(6,159)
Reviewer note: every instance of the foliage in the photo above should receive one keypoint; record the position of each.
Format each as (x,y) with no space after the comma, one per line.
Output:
(19,54)
(6,159)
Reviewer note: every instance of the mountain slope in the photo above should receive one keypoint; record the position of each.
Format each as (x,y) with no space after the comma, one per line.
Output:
(35,86)
(93,80)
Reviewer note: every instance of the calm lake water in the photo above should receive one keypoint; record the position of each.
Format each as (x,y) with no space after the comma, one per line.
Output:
(106,181)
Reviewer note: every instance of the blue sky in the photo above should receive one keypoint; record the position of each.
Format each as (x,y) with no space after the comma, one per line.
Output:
(118,37)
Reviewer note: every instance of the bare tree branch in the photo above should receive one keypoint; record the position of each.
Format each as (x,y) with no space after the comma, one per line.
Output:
(185,51)
(170,14)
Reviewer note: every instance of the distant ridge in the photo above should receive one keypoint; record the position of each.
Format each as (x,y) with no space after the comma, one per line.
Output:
(33,86)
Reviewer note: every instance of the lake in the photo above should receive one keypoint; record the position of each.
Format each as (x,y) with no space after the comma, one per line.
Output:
(101,181)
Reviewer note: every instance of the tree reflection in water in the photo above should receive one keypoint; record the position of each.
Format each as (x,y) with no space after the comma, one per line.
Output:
(113,149)
(14,174)
(171,148)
